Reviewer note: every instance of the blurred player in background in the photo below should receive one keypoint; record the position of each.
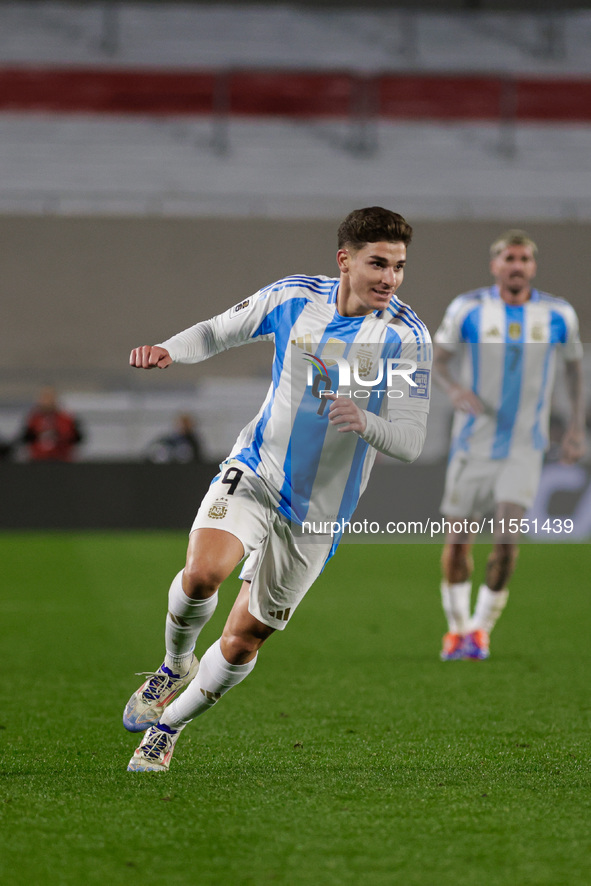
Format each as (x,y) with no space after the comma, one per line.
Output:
(509,334)
(306,456)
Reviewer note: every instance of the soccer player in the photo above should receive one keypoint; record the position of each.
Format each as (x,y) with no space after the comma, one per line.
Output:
(303,460)
(509,334)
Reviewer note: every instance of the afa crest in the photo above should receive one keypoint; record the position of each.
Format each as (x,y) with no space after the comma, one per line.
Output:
(218,510)
(514,331)
(364,363)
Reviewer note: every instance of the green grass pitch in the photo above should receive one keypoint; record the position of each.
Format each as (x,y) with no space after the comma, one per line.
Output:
(351,755)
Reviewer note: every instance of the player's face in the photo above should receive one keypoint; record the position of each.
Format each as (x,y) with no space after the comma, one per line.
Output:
(513,269)
(369,276)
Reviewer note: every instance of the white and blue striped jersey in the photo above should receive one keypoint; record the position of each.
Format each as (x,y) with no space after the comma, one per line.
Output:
(509,356)
(315,472)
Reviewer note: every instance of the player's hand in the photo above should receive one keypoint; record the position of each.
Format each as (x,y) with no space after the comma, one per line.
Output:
(346,415)
(465,400)
(572,446)
(150,357)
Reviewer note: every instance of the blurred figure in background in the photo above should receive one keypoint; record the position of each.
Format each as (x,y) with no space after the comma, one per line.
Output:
(182,445)
(509,334)
(50,433)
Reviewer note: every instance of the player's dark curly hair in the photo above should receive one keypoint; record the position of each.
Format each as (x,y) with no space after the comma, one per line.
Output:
(372,225)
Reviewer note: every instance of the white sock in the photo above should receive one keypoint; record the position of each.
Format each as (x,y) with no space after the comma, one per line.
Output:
(180,637)
(489,605)
(455,598)
(214,678)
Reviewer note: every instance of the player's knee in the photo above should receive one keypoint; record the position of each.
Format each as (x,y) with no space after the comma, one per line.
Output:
(239,648)
(201,579)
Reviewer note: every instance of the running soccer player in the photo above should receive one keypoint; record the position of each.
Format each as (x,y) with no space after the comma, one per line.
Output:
(304,458)
(509,334)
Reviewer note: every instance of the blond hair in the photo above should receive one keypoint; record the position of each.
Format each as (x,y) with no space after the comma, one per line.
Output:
(514,237)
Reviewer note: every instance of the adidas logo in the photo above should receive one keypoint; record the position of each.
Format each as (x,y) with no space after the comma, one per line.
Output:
(303,341)
(280,614)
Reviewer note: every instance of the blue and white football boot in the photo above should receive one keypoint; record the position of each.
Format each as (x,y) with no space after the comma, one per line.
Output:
(146,706)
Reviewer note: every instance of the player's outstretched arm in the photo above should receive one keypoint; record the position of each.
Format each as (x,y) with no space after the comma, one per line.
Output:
(150,357)
(573,447)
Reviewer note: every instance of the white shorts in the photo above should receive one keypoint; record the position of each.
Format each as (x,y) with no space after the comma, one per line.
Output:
(474,486)
(280,565)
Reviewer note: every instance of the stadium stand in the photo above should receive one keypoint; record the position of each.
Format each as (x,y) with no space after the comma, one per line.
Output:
(181,109)
(142,111)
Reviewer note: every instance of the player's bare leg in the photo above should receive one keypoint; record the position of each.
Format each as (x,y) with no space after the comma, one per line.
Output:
(500,565)
(224,665)
(456,587)
(457,562)
(212,555)
(243,634)
(493,595)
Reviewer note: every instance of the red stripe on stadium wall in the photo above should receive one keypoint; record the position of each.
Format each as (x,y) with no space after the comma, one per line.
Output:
(105,91)
(293,94)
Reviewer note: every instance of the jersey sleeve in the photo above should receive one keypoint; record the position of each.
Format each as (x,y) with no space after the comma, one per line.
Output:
(402,439)
(572,349)
(400,428)
(240,324)
(410,385)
